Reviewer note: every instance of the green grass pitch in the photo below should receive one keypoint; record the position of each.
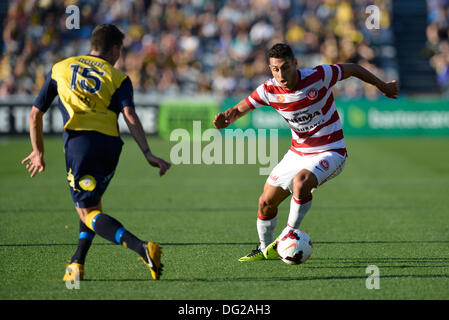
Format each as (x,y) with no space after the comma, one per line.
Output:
(389,208)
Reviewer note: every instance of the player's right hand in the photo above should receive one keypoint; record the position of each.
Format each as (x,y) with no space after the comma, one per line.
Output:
(34,163)
(391,89)
(221,121)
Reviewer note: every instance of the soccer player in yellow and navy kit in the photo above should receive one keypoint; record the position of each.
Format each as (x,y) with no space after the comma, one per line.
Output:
(92,93)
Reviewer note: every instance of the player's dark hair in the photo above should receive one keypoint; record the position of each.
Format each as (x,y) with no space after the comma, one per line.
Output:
(104,37)
(280,50)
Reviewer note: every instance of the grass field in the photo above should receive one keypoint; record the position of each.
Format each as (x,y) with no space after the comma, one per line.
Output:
(388,208)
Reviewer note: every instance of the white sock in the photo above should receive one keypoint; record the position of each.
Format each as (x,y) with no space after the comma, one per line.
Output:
(265,229)
(298,209)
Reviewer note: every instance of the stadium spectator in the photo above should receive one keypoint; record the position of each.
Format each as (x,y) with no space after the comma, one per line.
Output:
(188,47)
(437,48)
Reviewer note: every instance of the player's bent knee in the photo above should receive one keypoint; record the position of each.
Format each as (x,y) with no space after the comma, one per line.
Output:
(266,206)
(84,212)
(304,182)
(264,202)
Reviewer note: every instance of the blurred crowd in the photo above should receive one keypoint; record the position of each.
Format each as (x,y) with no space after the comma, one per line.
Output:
(437,49)
(187,47)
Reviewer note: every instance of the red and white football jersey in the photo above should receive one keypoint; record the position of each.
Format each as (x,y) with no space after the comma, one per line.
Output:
(309,109)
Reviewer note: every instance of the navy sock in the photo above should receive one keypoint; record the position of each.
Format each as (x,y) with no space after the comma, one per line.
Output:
(85,238)
(110,229)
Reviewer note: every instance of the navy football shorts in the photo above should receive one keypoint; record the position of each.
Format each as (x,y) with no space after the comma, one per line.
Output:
(91,159)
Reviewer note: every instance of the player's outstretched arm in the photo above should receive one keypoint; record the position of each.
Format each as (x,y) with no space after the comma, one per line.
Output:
(135,127)
(225,119)
(35,163)
(388,89)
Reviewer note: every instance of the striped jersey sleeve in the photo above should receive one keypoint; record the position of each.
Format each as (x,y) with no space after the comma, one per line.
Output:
(258,98)
(332,74)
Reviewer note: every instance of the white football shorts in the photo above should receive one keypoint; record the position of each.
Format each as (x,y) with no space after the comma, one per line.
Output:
(324,166)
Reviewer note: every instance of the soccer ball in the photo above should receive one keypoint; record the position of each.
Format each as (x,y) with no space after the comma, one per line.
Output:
(295,247)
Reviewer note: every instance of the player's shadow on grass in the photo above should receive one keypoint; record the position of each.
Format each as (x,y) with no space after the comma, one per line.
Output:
(228,243)
(388,266)
(276,279)
(383,263)
(308,278)
(315,242)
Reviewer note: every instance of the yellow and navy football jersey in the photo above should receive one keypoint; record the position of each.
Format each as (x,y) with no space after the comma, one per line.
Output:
(91,93)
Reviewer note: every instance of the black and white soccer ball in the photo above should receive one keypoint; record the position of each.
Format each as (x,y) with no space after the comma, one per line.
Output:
(294,247)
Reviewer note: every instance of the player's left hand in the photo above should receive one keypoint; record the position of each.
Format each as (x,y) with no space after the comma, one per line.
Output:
(158,163)
(34,163)
(390,89)
(221,121)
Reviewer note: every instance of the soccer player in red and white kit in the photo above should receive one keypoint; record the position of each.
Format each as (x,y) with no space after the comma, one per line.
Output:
(317,154)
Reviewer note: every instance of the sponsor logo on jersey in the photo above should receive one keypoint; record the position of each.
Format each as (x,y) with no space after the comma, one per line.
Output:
(304,117)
